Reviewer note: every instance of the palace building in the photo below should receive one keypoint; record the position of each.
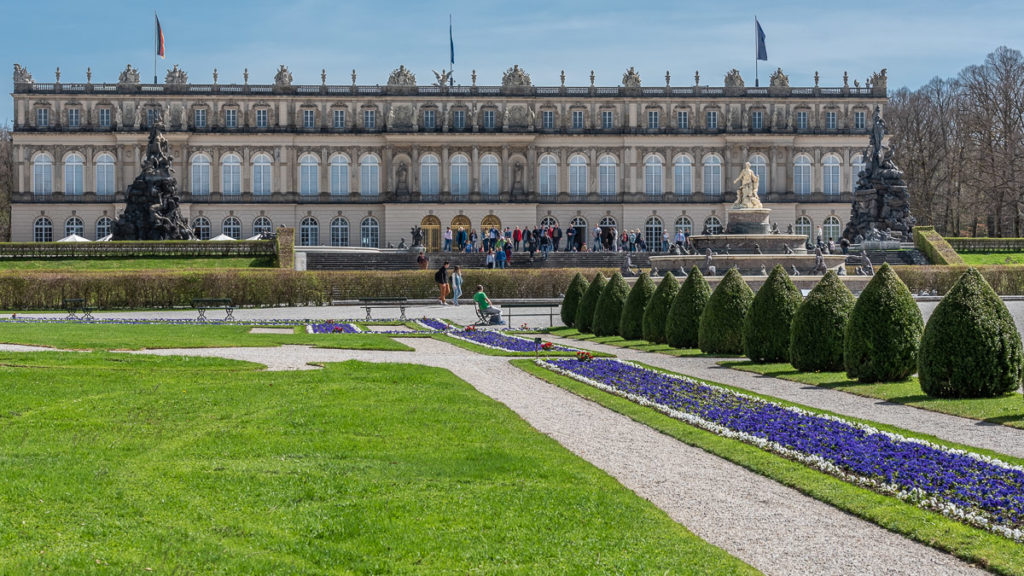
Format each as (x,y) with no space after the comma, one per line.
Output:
(359,165)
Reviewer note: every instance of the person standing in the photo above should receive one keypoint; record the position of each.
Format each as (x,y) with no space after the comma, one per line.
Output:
(472,240)
(421,260)
(597,239)
(500,257)
(556,236)
(664,241)
(508,254)
(456,279)
(517,237)
(489,260)
(461,238)
(441,277)
(448,239)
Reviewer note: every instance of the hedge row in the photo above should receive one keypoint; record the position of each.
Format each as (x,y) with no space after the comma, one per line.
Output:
(986,244)
(136,249)
(1002,279)
(935,247)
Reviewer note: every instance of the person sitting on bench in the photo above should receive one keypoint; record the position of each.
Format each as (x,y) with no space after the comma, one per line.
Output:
(486,308)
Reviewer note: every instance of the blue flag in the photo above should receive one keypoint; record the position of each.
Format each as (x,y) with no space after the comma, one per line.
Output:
(451,41)
(762,52)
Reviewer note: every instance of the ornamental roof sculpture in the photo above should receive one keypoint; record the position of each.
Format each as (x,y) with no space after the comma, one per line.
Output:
(880,79)
(176,77)
(631,79)
(515,77)
(733,79)
(401,76)
(21,75)
(129,76)
(779,80)
(283,78)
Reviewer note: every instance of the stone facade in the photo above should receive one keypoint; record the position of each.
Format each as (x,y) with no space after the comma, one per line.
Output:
(401,155)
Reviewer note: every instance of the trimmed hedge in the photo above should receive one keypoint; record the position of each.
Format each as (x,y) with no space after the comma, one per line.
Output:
(935,247)
(884,332)
(766,327)
(721,324)
(631,324)
(971,347)
(819,326)
(573,295)
(657,310)
(682,327)
(1004,279)
(588,304)
(608,313)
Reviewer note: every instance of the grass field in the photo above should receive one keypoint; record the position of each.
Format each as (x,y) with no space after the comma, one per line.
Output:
(95,264)
(642,345)
(115,464)
(985,258)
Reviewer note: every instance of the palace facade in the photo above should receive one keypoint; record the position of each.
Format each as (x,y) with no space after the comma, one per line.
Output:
(359,165)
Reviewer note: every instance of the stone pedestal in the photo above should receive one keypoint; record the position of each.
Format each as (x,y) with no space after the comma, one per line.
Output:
(748,221)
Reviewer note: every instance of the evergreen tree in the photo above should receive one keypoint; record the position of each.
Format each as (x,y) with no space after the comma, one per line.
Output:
(608,313)
(584,319)
(682,327)
(721,324)
(631,324)
(884,333)
(657,310)
(816,338)
(573,295)
(766,326)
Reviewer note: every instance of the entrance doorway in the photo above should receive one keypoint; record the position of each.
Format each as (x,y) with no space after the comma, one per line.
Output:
(431,226)
(461,224)
(582,235)
(607,236)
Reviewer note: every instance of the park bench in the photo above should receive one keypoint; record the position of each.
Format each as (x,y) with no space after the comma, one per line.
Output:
(75,306)
(371,303)
(540,306)
(204,304)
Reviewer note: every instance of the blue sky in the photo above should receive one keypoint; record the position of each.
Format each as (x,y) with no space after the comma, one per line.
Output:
(915,40)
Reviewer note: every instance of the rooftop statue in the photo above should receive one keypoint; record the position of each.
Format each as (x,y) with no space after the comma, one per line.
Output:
(283,78)
(631,79)
(515,77)
(176,76)
(401,76)
(128,77)
(21,75)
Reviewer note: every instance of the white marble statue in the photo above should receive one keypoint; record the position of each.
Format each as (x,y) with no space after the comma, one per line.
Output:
(746,194)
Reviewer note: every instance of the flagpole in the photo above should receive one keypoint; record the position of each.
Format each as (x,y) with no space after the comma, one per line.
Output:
(757,78)
(451,45)
(156,43)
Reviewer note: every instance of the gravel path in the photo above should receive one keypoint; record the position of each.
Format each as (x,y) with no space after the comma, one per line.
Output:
(774,528)
(985,435)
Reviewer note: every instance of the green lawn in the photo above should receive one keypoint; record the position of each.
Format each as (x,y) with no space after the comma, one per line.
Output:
(139,336)
(1006,410)
(642,345)
(986,258)
(116,464)
(94,264)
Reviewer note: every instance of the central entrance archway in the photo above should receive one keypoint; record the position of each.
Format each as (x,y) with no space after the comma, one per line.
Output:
(431,226)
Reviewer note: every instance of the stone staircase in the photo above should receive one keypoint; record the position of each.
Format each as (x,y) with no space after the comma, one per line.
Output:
(907,255)
(401,260)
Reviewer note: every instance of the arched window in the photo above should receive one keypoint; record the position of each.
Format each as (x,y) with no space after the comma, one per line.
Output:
(261,175)
(578,175)
(339,175)
(548,175)
(309,176)
(579,222)
(683,175)
(804,227)
(830,175)
(607,222)
(42,230)
(369,175)
(654,175)
(607,172)
(548,222)
(684,225)
(42,175)
(430,180)
(369,233)
(339,232)
(105,175)
(232,227)
(200,175)
(831,229)
(857,166)
(262,225)
(653,233)
(489,175)
(231,175)
(309,232)
(74,225)
(73,174)
(802,174)
(103,227)
(459,175)
(713,176)
(201,227)
(712,225)
(759,166)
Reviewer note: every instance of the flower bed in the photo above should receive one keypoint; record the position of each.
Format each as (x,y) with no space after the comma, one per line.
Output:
(335,328)
(972,488)
(434,324)
(499,341)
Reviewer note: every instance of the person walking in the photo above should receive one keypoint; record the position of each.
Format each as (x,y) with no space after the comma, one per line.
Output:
(441,277)
(456,279)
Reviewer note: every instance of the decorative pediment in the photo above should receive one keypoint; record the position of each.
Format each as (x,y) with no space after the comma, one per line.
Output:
(779,80)
(176,77)
(129,77)
(879,79)
(21,75)
(401,76)
(733,79)
(515,77)
(631,79)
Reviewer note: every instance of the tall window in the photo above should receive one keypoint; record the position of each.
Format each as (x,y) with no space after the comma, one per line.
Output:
(713,176)
(369,175)
(369,233)
(801,120)
(489,174)
(231,118)
(339,119)
(105,175)
(261,118)
(339,232)
(653,120)
(74,225)
(200,175)
(548,175)
(309,232)
(547,120)
(42,230)
(104,117)
(429,119)
(607,174)
(73,174)
(74,118)
(201,228)
(200,118)
(262,225)
(608,119)
(488,119)
(802,174)
(857,166)
(757,120)
(339,175)
(859,118)
(653,233)
(578,175)
(150,117)
(261,175)
(713,225)
(803,227)
(682,171)
(830,121)
(232,227)
(309,175)
(830,175)
(460,175)
(759,166)
(459,119)
(231,175)
(42,175)
(654,175)
(577,120)
(683,120)
(103,227)
(711,120)
(369,119)
(684,225)
(430,180)
(831,228)
(309,119)
(42,118)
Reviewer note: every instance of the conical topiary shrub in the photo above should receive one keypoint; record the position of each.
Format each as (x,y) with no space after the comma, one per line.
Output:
(608,313)
(970,347)
(631,324)
(682,327)
(721,324)
(573,295)
(584,319)
(884,332)
(766,326)
(658,307)
(816,337)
